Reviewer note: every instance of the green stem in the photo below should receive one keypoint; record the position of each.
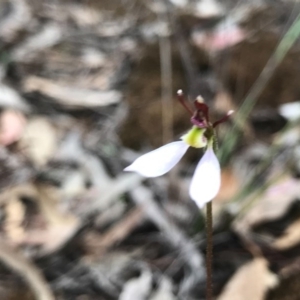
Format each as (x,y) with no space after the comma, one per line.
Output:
(209,251)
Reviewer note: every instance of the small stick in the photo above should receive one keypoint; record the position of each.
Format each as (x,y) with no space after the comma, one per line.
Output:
(23,267)
(98,245)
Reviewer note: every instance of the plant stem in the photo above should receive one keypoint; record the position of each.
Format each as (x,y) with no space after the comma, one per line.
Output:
(209,251)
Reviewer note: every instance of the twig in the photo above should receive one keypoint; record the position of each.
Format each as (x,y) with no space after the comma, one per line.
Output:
(99,244)
(143,197)
(27,270)
(166,80)
(274,61)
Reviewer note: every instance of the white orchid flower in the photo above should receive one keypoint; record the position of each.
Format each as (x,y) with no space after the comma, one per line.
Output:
(206,180)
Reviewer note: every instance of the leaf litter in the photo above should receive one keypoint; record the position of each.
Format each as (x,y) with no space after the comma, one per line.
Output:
(80,85)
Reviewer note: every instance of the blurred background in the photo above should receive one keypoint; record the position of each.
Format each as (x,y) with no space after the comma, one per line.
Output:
(87,86)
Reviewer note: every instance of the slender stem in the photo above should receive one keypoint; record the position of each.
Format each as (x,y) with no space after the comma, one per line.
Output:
(209,251)
(274,61)
(165,52)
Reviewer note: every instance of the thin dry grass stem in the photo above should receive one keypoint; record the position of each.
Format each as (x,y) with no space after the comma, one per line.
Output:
(166,80)
(144,198)
(251,246)
(99,244)
(290,270)
(26,270)
(275,60)
(249,187)
(254,196)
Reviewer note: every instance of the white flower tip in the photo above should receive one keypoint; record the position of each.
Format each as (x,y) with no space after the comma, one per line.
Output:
(160,161)
(230,112)
(179,92)
(128,169)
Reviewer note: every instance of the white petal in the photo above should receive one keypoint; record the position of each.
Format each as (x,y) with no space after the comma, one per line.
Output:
(207,179)
(291,111)
(159,161)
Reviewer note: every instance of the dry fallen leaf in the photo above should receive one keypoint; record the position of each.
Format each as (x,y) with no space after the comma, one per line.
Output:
(272,205)
(137,288)
(208,9)
(9,97)
(83,15)
(48,36)
(12,125)
(58,226)
(39,140)
(290,238)
(54,236)
(15,214)
(221,38)
(229,186)
(98,244)
(15,21)
(251,281)
(72,96)
(164,291)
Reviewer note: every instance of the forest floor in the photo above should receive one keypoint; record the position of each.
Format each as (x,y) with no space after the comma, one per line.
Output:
(87,87)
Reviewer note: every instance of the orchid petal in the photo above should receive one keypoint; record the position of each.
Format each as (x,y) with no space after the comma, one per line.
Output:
(207,179)
(159,161)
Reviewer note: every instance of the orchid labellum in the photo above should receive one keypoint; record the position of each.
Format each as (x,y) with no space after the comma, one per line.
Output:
(207,177)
